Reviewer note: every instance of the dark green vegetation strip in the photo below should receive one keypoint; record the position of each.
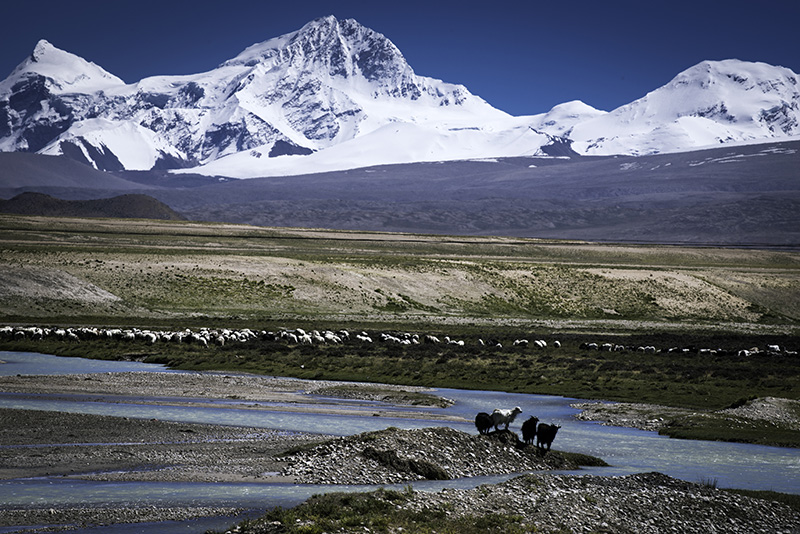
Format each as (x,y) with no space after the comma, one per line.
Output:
(694,379)
(725,427)
(377,511)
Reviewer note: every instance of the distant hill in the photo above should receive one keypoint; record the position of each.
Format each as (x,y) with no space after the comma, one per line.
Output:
(21,170)
(133,206)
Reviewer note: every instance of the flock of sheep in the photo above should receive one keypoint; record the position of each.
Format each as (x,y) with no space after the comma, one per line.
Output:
(650,349)
(224,336)
(298,336)
(543,433)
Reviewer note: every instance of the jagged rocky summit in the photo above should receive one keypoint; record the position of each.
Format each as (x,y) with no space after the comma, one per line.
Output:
(335,95)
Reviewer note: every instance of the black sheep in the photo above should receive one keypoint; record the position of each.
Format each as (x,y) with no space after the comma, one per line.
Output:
(483,422)
(529,429)
(545,435)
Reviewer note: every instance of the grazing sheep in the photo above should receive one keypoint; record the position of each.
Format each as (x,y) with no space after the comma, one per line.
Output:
(529,429)
(330,337)
(504,417)
(483,422)
(545,435)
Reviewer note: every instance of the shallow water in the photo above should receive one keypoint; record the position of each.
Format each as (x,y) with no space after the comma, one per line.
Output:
(32,363)
(628,450)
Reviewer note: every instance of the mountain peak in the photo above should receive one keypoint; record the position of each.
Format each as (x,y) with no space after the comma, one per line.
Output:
(746,75)
(65,72)
(708,104)
(332,47)
(42,49)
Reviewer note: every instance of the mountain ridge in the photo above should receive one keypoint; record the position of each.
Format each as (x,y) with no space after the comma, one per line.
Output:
(335,95)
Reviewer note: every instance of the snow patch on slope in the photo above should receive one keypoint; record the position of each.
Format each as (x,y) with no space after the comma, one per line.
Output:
(400,142)
(136,147)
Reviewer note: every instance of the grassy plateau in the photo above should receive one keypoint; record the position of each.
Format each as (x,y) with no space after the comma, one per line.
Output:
(177,275)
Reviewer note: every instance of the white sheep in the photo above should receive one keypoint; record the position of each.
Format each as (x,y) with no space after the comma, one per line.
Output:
(505,417)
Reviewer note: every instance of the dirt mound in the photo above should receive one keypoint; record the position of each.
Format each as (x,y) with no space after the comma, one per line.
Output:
(394,455)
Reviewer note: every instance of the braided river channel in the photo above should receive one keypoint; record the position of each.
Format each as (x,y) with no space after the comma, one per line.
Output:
(729,465)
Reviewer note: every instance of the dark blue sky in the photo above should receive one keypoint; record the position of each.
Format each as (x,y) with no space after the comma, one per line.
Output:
(522,56)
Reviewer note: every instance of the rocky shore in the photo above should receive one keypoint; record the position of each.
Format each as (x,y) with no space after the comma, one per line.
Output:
(395,456)
(66,446)
(635,504)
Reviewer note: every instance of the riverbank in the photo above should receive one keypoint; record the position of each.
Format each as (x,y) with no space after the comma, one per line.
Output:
(63,446)
(292,394)
(72,447)
(647,503)
(96,447)
(764,421)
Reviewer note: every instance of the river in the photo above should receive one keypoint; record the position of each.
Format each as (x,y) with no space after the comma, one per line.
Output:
(627,450)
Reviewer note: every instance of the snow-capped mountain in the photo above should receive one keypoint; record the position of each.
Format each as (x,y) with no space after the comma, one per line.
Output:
(712,103)
(336,95)
(326,84)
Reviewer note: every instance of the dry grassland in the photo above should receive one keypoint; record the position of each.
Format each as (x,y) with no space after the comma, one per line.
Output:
(71,270)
